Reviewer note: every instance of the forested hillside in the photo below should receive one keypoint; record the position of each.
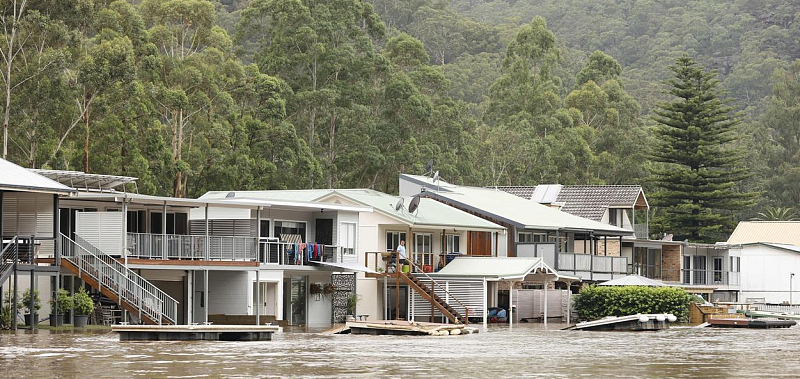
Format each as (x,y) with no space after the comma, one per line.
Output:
(196,95)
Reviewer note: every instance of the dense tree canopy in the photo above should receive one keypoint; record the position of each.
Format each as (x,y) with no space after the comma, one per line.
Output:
(195,95)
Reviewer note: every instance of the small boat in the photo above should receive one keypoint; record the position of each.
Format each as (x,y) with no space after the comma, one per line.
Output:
(637,322)
(771,314)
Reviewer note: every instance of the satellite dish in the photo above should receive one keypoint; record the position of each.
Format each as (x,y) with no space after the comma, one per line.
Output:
(429,166)
(436,176)
(230,194)
(399,205)
(414,205)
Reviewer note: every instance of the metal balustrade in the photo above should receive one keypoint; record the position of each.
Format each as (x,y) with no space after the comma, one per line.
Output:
(592,263)
(128,286)
(179,246)
(285,253)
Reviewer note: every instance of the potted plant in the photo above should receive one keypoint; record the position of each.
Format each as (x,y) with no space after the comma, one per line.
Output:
(31,315)
(352,301)
(328,289)
(63,306)
(84,306)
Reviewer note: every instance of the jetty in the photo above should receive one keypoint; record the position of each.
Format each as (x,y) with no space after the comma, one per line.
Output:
(406,328)
(195,332)
(637,322)
(750,323)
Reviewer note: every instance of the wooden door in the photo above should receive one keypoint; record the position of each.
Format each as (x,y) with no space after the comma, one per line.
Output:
(479,243)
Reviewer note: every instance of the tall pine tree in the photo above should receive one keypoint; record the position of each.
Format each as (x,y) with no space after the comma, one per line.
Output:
(697,183)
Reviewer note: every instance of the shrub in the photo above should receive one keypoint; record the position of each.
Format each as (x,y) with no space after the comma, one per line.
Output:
(83,303)
(26,301)
(6,317)
(597,302)
(64,301)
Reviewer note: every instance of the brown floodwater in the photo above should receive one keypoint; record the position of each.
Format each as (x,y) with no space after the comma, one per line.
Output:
(528,350)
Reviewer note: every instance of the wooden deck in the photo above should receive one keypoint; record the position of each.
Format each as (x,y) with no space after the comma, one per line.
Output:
(750,323)
(407,328)
(195,332)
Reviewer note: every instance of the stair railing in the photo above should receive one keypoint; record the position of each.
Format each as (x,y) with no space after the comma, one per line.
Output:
(437,285)
(127,285)
(8,257)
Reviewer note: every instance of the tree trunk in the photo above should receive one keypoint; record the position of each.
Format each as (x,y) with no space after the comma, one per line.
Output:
(86,139)
(331,148)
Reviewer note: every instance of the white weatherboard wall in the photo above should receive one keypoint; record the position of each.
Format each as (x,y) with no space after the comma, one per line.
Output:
(229,292)
(319,308)
(765,272)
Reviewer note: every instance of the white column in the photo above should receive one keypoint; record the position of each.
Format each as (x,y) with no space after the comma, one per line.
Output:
(545,303)
(569,302)
(258,297)
(510,304)
(485,307)
(208,242)
(205,294)
(190,297)
(164,231)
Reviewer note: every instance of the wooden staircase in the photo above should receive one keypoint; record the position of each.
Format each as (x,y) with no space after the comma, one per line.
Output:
(428,294)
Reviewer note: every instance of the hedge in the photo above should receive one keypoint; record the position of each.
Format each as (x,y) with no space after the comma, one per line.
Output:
(597,302)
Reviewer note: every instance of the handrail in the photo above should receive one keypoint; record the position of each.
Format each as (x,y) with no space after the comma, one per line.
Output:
(435,283)
(113,272)
(8,262)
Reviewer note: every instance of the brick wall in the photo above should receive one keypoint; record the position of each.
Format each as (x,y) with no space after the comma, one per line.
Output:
(671,263)
(612,249)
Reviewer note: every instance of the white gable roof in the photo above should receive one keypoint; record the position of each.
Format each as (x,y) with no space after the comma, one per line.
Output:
(16,178)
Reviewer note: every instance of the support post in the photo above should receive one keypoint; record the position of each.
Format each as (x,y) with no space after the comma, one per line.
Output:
(208,242)
(485,306)
(32,289)
(545,303)
(510,303)
(569,303)
(205,296)
(164,252)
(397,272)
(14,308)
(258,297)
(190,297)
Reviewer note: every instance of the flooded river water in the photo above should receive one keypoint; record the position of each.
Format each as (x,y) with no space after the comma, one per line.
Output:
(526,351)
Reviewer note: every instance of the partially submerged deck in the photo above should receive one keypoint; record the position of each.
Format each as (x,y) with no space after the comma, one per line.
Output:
(195,332)
(407,328)
(750,323)
(637,322)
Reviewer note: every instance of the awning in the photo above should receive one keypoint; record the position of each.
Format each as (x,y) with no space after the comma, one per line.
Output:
(16,178)
(504,269)
(633,280)
(347,266)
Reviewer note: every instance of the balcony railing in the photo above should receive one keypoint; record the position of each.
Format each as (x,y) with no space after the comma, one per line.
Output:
(176,246)
(642,231)
(591,263)
(709,277)
(293,254)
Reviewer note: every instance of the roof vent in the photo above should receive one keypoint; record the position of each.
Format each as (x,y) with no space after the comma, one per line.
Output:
(230,194)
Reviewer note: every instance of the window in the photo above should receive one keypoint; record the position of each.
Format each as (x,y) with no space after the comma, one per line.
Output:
(290,228)
(524,237)
(176,223)
(699,269)
(453,243)
(718,269)
(735,262)
(613,216)
(348,237)
(687,267)
(393,240)
(423,248)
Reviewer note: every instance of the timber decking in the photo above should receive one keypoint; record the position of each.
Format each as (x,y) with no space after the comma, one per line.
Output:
(195,332)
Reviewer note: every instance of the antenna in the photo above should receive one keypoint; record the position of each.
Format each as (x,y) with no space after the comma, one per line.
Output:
(436,176)
(414,205)
(429,167)
(399,205)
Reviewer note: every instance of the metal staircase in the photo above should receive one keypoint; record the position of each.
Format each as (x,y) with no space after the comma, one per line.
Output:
(129,290)
(8,257)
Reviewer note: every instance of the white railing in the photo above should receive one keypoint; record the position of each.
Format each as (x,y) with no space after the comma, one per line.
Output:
(794,309)
(179,246)
(285,253)
(710,277)
(128,286)
(642,231)
(592,263)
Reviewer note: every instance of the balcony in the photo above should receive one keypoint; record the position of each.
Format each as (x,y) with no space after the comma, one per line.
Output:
(710,277)
(592,267)
(642,231)
(275,252)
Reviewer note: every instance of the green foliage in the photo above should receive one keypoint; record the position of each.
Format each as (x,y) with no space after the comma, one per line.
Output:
(352,301)
(64,301)
(595,302)
(26,301)
(777,214)
(700,171)
(82,303)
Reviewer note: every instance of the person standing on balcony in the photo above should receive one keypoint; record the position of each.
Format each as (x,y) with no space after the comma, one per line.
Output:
(401,253)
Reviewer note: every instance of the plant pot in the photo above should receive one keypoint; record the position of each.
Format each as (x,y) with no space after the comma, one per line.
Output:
(406,269)
(56,320)
(81,321)
(28,319)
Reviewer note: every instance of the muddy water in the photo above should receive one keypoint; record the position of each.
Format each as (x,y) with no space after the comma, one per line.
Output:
(525,351)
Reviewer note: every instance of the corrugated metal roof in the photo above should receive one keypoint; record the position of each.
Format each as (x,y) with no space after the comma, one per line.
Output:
(780,232)
(502,268)
(513,209)
(16,178)
(430,213)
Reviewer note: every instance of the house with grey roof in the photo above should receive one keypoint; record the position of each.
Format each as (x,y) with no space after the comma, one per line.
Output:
(571,244)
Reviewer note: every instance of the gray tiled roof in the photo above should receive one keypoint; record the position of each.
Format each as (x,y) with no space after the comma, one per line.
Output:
(586,201)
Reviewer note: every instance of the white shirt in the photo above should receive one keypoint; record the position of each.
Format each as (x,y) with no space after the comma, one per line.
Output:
(402,251)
